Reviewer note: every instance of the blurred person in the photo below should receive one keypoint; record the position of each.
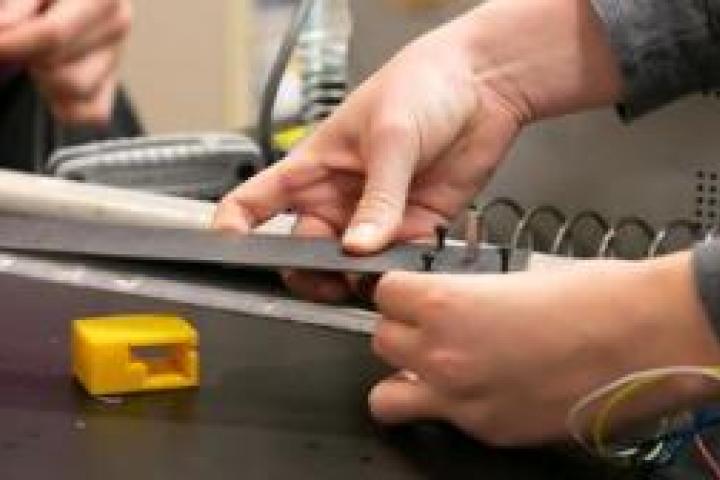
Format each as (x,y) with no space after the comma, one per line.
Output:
(67,52)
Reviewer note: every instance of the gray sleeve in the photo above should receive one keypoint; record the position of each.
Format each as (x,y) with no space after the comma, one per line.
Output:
(706,270)
(666,49)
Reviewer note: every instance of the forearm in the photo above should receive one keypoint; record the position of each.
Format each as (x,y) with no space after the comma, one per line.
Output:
(546,57)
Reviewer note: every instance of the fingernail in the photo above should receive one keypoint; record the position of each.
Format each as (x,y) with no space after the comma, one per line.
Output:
(408,376)
(362,234)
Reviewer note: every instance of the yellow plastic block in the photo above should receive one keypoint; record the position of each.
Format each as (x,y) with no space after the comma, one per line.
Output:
(134,353)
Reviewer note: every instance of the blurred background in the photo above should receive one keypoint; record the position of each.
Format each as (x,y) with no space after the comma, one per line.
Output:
(200,65)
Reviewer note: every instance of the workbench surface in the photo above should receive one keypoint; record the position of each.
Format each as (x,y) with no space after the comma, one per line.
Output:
(277,400)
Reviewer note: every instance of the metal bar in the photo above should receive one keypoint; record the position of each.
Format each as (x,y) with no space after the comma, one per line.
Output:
(241,293)
(52,235)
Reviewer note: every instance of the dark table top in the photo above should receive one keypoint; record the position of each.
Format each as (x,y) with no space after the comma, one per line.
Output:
(277,400)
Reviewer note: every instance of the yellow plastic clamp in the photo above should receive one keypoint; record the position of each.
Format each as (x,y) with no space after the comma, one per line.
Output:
(134,353)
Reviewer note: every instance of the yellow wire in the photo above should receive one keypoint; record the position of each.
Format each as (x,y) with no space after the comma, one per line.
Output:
(601,422)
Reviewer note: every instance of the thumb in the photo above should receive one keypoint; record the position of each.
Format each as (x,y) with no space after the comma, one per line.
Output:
(402,399)
(392,158)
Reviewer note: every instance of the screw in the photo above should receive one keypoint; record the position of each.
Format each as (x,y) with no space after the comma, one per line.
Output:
(504,259)
(441,232)
(427,259)
(472,234)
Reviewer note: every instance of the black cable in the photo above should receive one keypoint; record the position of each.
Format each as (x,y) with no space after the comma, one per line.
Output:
(265,120)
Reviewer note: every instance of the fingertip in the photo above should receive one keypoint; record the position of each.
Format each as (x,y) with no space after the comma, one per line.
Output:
(387,284)
(229,217)
(400,399)
(381,403)
(365,238)
(397,343)
(229,224)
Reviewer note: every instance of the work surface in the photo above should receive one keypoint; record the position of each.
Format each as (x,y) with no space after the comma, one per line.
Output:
(277,400)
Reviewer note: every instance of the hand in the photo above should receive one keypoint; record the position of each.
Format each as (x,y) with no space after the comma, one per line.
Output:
(405,153)
(13,11)
(71,48)
(506,357)
(410,148)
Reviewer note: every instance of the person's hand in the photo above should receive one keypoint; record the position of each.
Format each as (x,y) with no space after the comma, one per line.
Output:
(13,11)
(410,148)
(505,357)
(405,153)
(71,48)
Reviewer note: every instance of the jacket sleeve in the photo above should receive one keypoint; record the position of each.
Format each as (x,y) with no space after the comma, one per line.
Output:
(666,49)
(706,270)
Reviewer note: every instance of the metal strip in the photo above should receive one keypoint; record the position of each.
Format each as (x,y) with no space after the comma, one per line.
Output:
(241,294)
(53,235)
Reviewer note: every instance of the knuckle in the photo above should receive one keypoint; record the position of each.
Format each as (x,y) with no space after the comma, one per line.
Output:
(56,34)
(378,345)
(377,200)
(450,368)
(437,300)
(107,6)
(392,128)
(382,341)
(76,86)
(288,178)
(124,18)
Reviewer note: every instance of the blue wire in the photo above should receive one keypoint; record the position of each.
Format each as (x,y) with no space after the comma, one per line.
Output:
(675,441)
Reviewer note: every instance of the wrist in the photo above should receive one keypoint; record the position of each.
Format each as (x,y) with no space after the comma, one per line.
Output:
(542,57)
(654,321)
(671,291)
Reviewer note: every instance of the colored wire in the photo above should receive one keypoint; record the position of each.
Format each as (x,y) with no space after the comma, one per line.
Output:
(708,458)
(267,104)
(674,439)
(575,414)
(671,429)
(601,422)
